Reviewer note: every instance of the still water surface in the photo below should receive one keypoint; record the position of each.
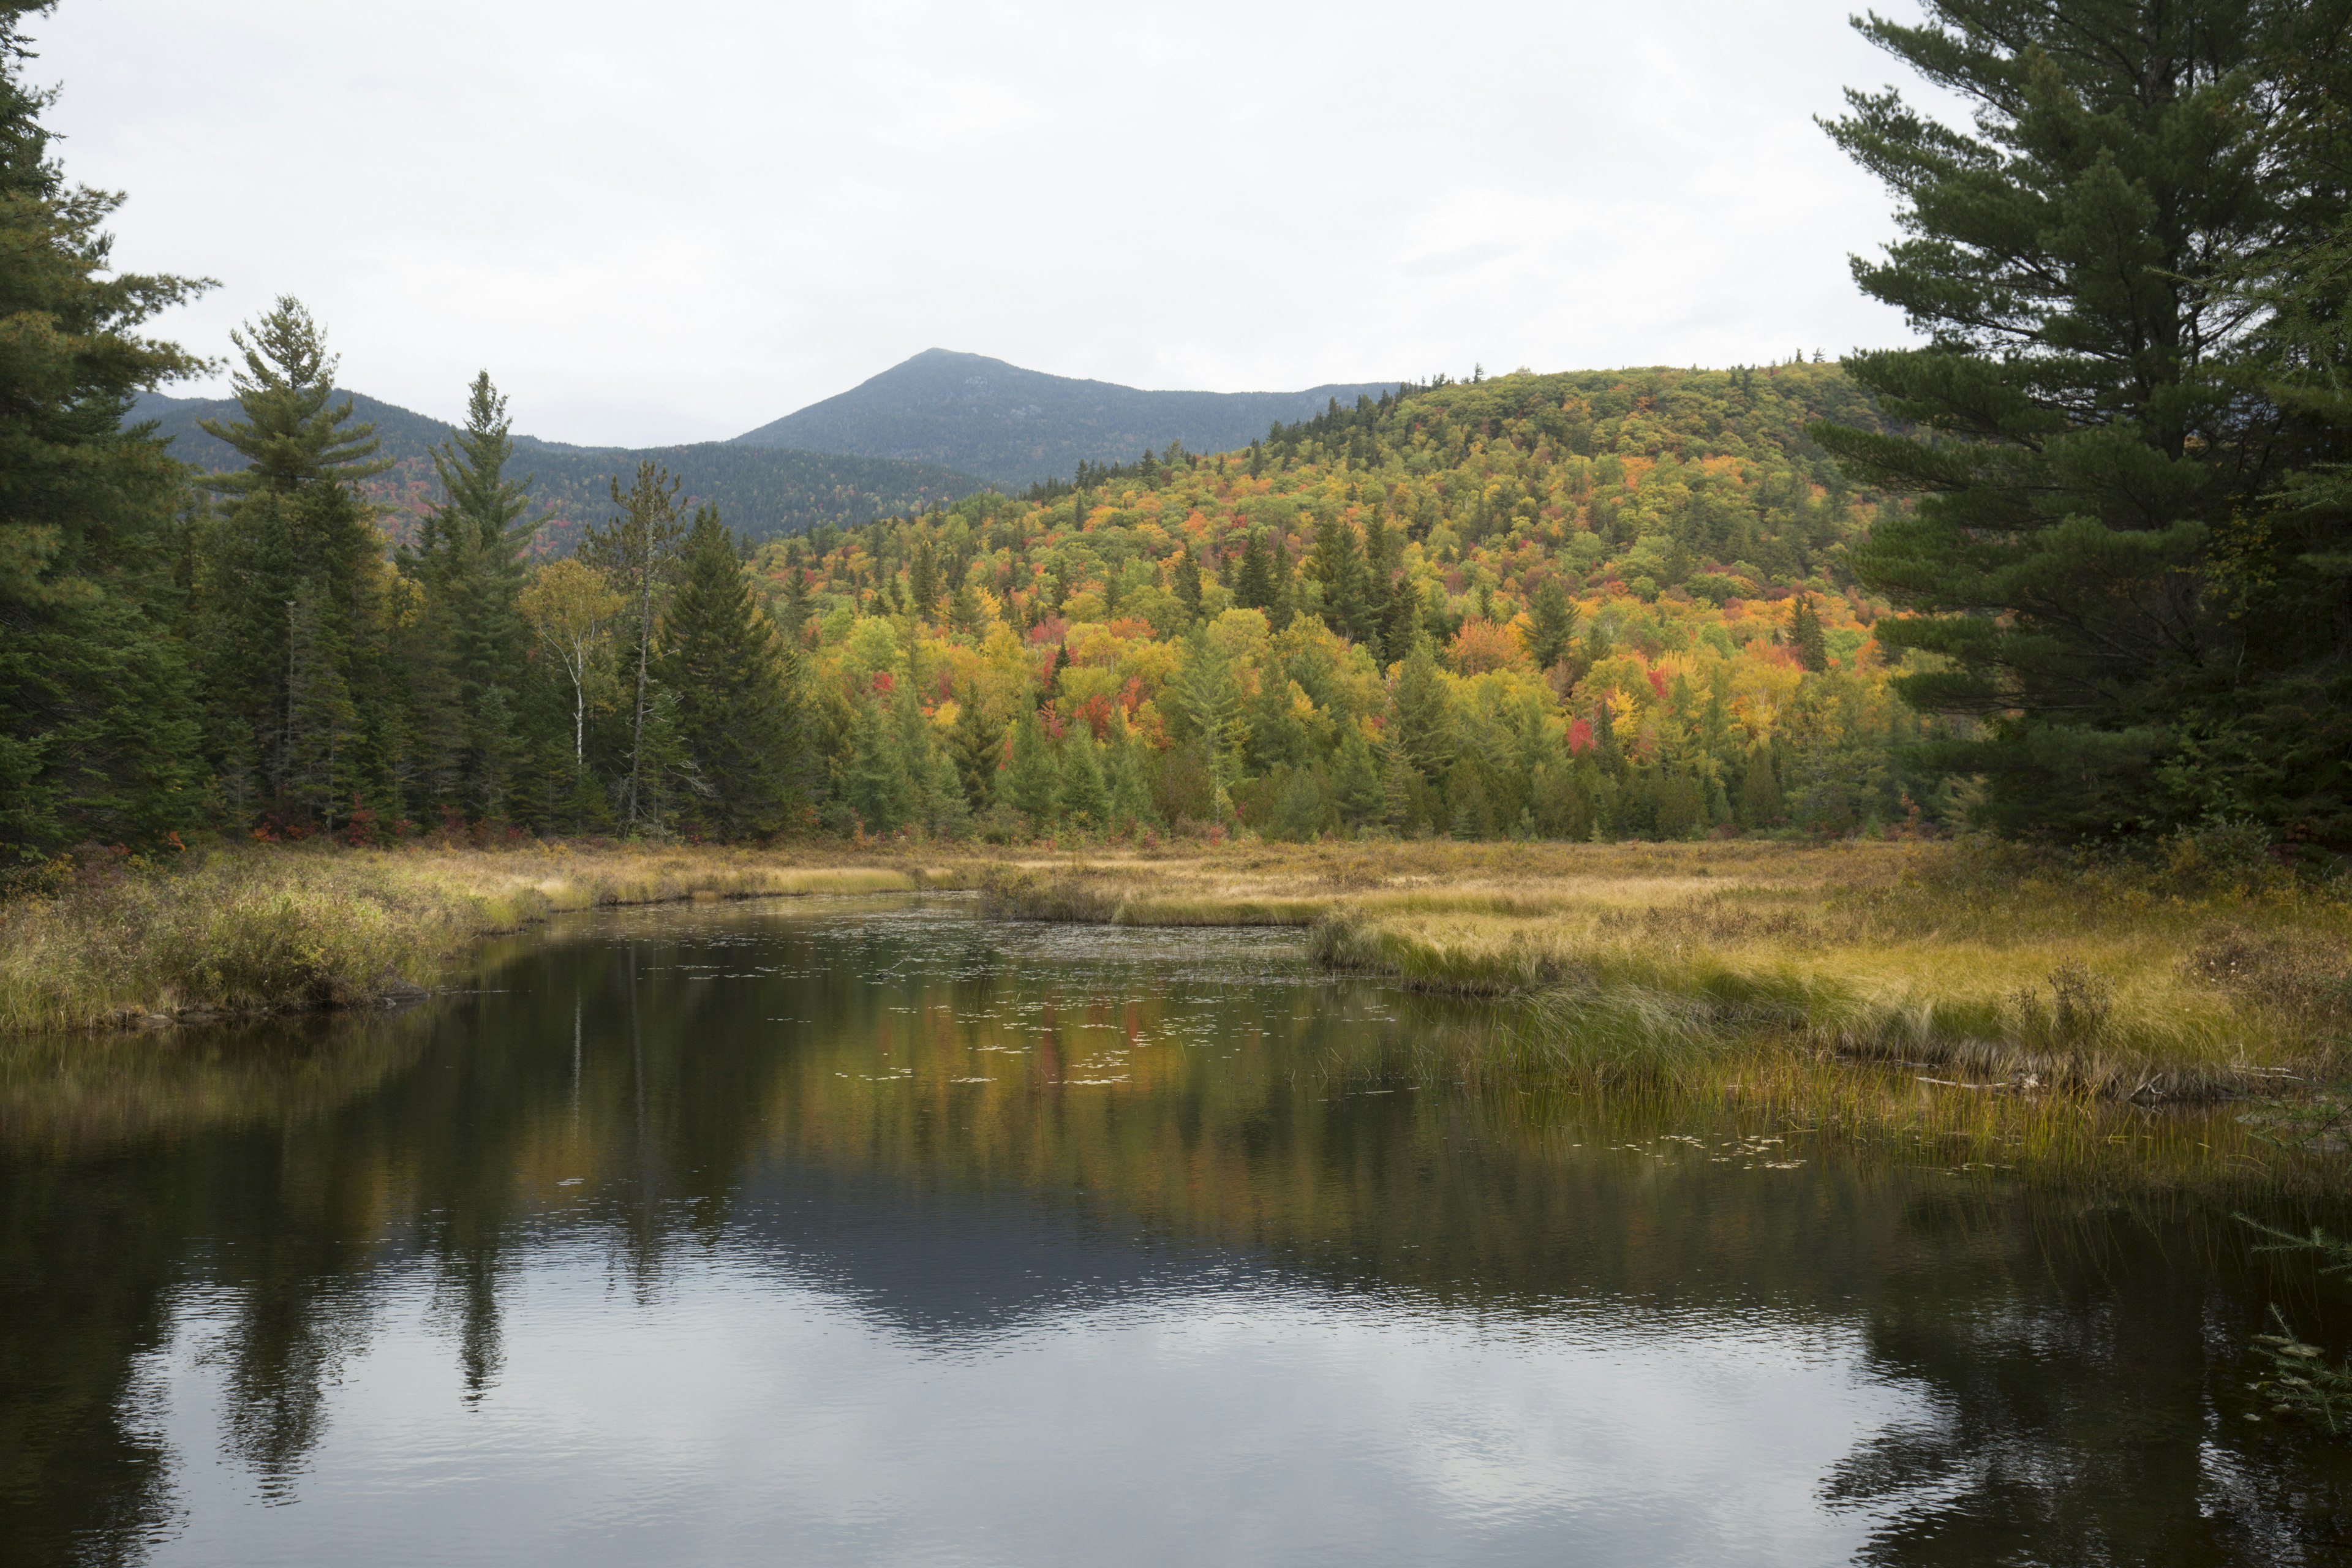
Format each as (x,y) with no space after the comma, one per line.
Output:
(862,1231)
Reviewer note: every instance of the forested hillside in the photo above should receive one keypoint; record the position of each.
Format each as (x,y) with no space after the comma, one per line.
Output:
(1604,603)
(1015,426)
(1596,605)
(763,491)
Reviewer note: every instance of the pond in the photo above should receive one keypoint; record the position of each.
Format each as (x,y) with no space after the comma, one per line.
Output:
(857,1231)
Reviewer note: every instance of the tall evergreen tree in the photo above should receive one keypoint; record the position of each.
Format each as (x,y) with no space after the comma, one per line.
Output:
(977,747)
(302,705)
(1030,783)
(720,663)
(96,727)
(1420,716)
(1082,798)
(2094,521)
(1805,635)
(639,551)
(1338,563)
(1184,581)
(1551,623)
(471,637)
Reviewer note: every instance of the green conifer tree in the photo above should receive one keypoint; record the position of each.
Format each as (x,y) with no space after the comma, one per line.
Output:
(1356,780)
(471,637)
(1082,798)
(1185,583)
(977,747)
(98,736)
(1551,628)
(1420,716)
(293,555)
(876,786)
(1123,776)
(721,662)
(1805,636)
(2098,492)
(1031,782)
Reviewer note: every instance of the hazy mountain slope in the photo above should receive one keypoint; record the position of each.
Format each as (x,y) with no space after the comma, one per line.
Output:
(762,492)
(984,416)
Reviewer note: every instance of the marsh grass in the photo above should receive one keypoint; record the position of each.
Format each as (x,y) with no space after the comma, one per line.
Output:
(1995,968)
(250,932)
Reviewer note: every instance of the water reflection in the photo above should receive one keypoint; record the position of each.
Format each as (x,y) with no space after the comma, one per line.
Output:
(874,1232)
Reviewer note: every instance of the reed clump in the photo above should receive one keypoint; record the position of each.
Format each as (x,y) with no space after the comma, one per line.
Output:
(103,940)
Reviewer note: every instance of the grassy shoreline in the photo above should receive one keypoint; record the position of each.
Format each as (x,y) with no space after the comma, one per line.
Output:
(1983,966)
(250,932)
(1996,969)
(1988,1010)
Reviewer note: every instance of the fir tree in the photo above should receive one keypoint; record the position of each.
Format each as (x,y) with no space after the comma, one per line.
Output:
(1185,583)
(96,725)
(1805,636)
(977,747)
(1421,720)
(293,555)
(1131,795)
(721,662)
(877,787)
(1338,563)
(1356,780)
(1082,798)
(469,561)
(1210,699)
(1551,623)
(1031,782)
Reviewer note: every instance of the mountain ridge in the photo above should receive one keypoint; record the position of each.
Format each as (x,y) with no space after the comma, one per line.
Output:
(761,492)
(1016,426)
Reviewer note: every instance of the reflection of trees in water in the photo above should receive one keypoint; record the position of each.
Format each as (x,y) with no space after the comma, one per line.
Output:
(2070,1365)
(294,1328)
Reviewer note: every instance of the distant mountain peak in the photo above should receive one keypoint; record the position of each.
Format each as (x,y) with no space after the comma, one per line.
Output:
(985,416)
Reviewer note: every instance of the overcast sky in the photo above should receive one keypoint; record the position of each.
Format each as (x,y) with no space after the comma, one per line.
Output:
(657,223)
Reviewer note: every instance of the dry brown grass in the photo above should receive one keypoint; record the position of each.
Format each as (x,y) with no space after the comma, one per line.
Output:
(1979,962)
(246,931)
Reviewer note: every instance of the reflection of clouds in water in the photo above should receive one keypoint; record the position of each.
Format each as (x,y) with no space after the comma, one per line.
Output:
(748,1415)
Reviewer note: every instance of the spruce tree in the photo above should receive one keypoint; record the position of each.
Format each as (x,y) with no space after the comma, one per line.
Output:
(469,563)
(2093,546)
(97,738)
(1210,699)
(1185,583)
(1082,798)
(1131,794)
(1030,783)
(977,747)
(720,663)
(302,707)
(1338,563)
(1551,623)
(1420,716)
(1356,780)
(1805,636)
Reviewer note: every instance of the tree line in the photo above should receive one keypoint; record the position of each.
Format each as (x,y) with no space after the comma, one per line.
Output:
(2075,565)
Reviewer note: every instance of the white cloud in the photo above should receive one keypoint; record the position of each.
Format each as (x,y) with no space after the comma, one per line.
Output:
(657,224)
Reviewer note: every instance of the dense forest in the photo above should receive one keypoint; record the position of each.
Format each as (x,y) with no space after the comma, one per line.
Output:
(2079,564)
(1589,606)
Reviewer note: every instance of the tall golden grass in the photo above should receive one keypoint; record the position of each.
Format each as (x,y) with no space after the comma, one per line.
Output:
(1989,965)
(245,931)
